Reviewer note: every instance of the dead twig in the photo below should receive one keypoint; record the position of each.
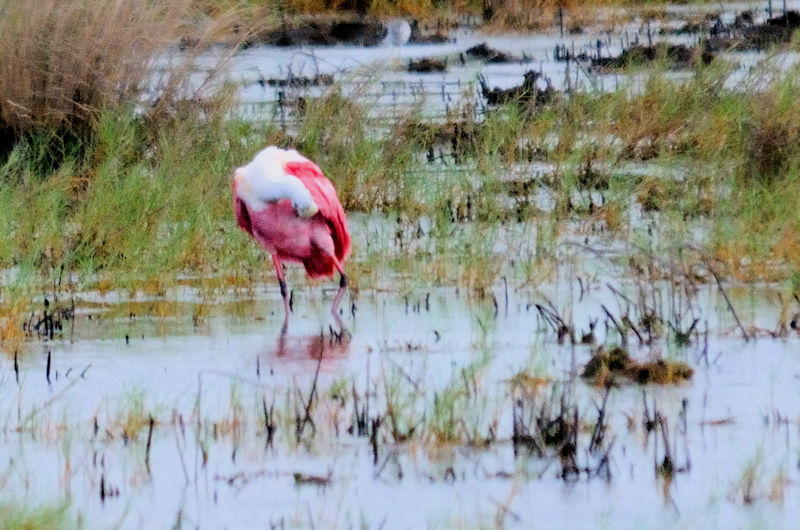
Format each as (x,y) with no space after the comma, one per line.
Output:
(728,301)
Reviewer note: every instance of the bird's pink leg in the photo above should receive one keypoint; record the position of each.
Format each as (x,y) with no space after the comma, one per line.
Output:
(284,292)
(340,293)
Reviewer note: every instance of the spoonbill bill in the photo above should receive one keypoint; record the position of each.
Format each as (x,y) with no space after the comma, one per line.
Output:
(283,200)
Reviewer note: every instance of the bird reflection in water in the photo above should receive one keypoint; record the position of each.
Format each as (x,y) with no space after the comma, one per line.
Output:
(317,346)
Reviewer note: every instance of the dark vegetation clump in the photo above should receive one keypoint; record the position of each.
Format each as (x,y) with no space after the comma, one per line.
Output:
(676,56)
(427,65)
(660,372)
(299,82)
(484,53)
(607,367)
(347,29)
(459,136)
(50,322)
(616,361)
(528,93)
(744,35)
(321,32)
(552,427)
(437,33)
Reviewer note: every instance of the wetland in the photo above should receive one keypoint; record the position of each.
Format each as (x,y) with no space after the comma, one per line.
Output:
(574,280)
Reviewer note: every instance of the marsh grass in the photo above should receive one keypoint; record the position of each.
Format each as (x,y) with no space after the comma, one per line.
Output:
(132,416)
(461,412)
(82,59)
(31,517)
(749,488)
(145,198)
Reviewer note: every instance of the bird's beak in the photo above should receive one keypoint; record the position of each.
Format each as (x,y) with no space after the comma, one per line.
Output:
(310,211)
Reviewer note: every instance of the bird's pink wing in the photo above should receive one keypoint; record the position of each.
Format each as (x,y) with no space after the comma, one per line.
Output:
(324,195)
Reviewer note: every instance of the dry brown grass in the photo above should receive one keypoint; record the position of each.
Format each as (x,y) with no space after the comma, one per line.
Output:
(773,132)
(502,15)
(61,63)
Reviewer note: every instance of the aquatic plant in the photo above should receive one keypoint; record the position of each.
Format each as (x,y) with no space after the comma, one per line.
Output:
(35,517)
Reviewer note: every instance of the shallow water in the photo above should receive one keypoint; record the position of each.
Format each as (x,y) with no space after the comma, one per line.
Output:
(743,407)
(379,74)
(204,366)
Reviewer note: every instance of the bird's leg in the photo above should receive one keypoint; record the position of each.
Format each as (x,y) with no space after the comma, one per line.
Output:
(284,292)
(343,281)
(281,351)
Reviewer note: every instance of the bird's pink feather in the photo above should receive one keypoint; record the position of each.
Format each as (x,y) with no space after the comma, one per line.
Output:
(282,232)
(324,195)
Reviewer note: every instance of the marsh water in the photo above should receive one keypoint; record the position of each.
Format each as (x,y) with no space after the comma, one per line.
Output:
(209,465)
(380,75)
(407,419)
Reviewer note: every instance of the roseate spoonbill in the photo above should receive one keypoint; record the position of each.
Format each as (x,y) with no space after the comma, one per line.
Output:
(290,208)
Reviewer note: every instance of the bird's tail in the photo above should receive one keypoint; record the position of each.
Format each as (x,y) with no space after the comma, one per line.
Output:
(319,265)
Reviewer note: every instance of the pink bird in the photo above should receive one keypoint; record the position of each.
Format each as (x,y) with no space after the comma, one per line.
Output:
(284,201)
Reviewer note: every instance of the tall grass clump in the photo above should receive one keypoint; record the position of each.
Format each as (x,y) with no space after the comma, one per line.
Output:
(771,132)
(139,203)
(63,63)
(103,130)
(757,228)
